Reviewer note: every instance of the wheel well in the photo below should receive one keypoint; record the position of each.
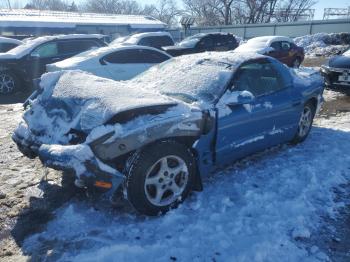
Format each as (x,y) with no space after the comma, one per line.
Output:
(313,101)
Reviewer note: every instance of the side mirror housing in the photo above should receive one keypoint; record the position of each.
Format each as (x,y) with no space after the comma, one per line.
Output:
(239,98)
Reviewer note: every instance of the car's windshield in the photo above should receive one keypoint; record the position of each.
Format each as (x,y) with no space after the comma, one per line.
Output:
(190,41)
(26,47)
(189,80)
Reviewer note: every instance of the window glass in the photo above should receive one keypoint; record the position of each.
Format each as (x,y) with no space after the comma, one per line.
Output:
(133,56)
(206,43)
(285,46)
(4,47)
(152,57)
(145,41)
(260,78)
(75,46)
(276,46)
(46,50)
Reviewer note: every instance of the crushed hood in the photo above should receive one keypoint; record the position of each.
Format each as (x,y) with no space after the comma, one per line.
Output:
(81,101)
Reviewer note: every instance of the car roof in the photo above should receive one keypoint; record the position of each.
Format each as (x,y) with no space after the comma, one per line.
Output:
(270,39)
(102,51)
(31,44)
(10,40)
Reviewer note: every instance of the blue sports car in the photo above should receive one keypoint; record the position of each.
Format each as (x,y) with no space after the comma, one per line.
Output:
(156,135)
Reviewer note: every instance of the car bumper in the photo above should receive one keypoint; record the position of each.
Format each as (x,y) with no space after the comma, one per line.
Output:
(89,170)
(331,77)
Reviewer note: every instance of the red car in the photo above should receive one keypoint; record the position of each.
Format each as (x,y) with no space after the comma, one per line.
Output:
(280,47)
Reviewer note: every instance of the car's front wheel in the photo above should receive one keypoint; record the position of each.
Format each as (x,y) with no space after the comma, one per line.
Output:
(305,123)
(8,83)
(159,177)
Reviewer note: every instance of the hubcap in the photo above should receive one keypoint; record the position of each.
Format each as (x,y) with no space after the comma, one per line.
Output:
(7,84)
(305,122)
(166,180)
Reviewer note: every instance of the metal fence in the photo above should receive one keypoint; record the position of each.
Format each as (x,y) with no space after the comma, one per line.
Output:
(292,29)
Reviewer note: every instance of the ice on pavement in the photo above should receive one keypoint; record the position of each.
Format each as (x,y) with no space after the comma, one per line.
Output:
(260,209)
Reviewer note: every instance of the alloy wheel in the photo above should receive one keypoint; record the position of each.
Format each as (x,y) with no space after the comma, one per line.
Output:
(166,180)
(7,83)
(305,121)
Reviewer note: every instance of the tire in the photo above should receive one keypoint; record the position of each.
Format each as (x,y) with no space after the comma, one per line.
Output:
(9,83)
(159,177)
(296,63)
(305,123)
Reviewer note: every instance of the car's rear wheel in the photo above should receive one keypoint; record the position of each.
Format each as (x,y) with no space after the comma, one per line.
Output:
(297,62)
(305,123)
(8,83)
(159,177)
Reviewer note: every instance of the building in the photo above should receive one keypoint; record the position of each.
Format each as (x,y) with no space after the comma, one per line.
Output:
(27,22)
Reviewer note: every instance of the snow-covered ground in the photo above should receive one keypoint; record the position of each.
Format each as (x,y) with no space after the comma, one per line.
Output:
(323,44)
(268,207)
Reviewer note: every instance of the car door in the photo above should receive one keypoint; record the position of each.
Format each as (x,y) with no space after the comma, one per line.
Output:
(124,64)
(247,128)
(42,55)
(281,51)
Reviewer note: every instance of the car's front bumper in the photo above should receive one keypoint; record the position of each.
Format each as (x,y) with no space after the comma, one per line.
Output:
(331,76)
(88,169)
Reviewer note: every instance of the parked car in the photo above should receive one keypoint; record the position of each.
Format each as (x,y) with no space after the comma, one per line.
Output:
(337,72)
(119,62)
(157,134)
(280,47)
(19,66)
(7,44)
(203,42)
(151,39)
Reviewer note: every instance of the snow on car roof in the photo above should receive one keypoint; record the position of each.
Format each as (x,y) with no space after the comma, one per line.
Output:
(29,45)
(100,52)
(261,44)
(134,39)
(59,19)
(10,40)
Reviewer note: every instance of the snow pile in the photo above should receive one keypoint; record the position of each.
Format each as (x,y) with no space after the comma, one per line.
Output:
(264,208)
(323,44)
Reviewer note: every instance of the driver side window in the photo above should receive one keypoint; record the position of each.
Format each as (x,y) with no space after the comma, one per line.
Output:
(46,50)
(260,78)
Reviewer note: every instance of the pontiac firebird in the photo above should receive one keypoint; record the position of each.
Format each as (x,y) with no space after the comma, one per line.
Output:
(155,136)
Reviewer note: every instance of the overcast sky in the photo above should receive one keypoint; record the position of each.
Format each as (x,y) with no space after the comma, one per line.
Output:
(321,4)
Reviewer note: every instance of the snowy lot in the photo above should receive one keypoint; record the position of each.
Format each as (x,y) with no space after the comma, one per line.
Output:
(290,202)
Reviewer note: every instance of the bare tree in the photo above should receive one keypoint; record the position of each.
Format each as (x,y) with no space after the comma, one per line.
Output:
(292,10)
(217,12)
(112,6)
(57,5)
(165,11)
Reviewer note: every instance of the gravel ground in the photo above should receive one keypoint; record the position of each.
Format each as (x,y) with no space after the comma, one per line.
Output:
(29,193)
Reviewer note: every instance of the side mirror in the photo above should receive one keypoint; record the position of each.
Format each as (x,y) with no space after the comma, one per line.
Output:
(239,98)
